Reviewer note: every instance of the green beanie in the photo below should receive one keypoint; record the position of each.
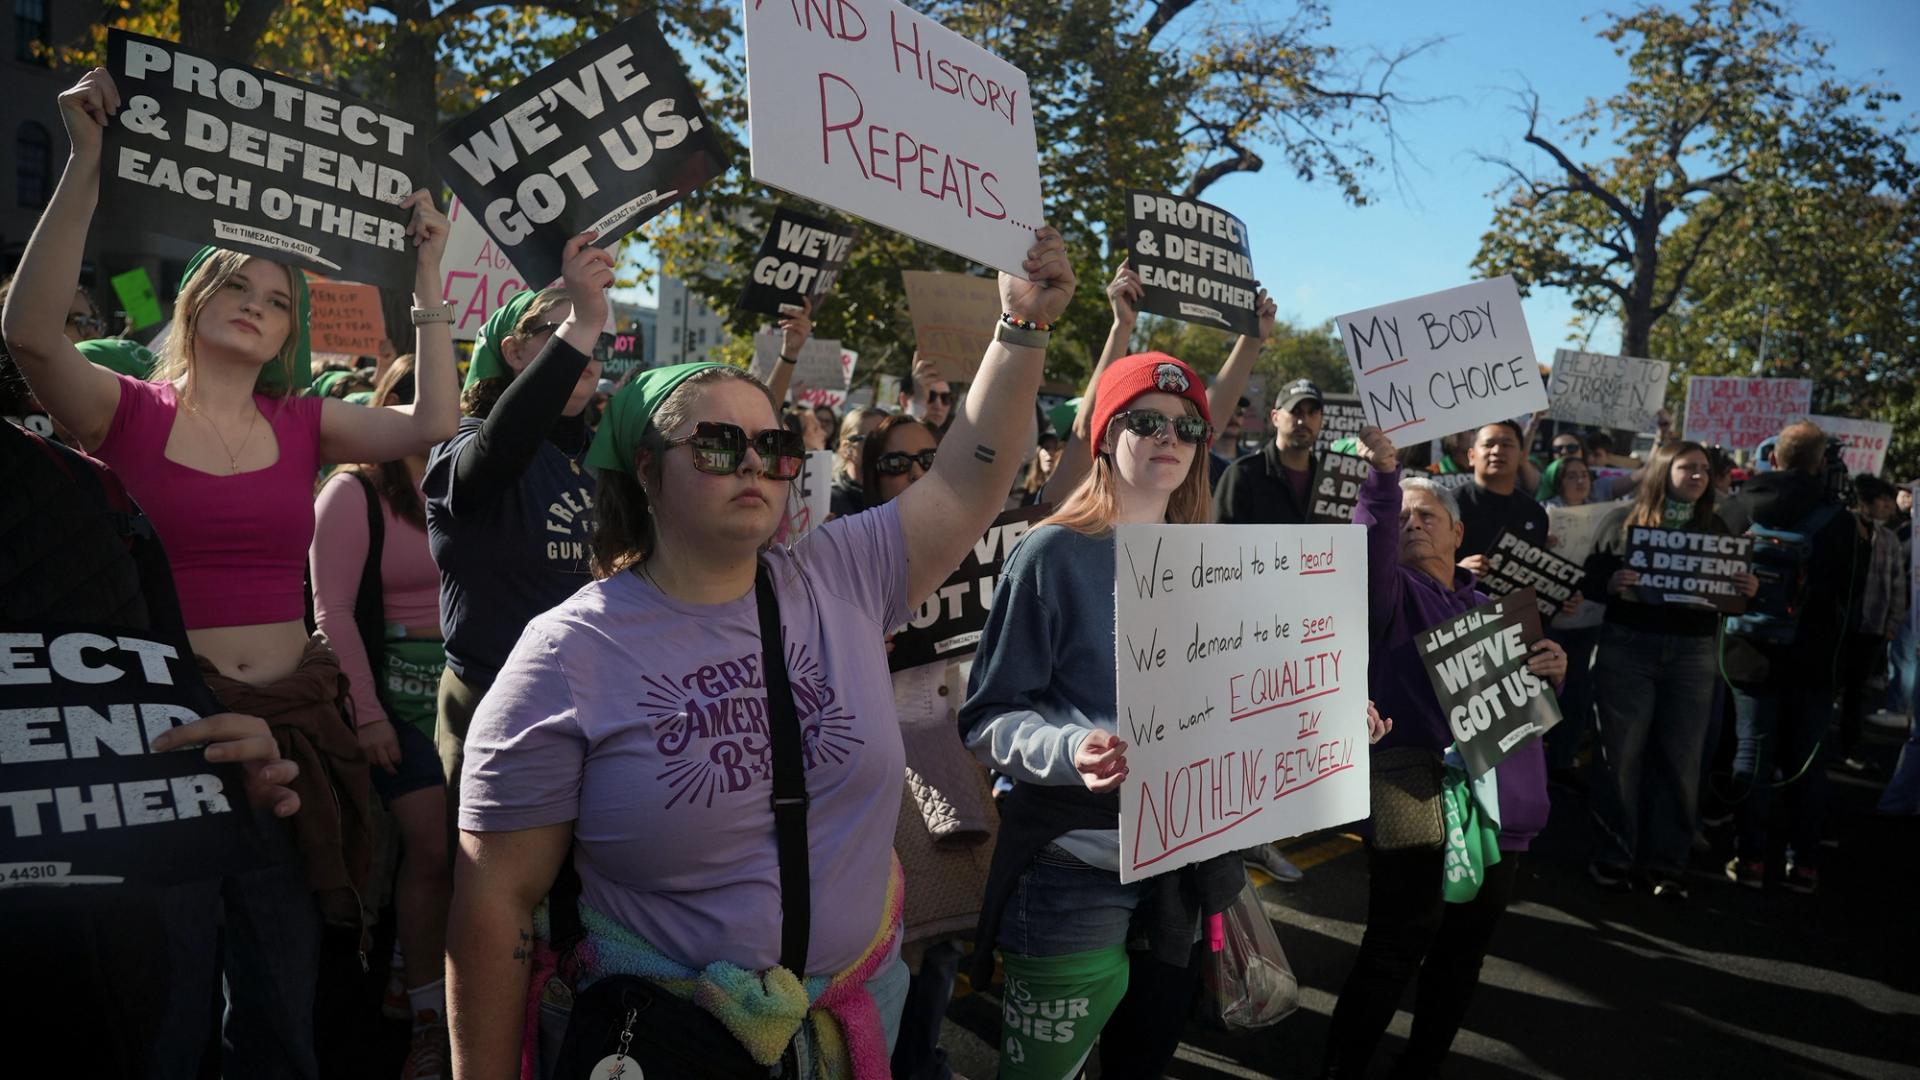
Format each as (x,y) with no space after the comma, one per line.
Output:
(487,362)
(617,444)
(118,354)
(272,378)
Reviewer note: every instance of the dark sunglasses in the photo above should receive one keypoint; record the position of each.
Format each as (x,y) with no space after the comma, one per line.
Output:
(945,397)
(1148,424)
(897,462)
(1564,449)
(719,449)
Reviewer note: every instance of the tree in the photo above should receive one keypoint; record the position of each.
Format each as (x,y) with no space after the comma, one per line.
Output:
(1727,102)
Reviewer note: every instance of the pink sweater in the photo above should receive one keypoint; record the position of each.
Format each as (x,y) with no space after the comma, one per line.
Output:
(409,581)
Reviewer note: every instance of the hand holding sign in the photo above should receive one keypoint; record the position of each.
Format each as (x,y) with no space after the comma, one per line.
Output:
(587,273)
(1043,294)
(1548,660)
(1124,293)
(246,741)
(796,328)
(86,109)
(1378,450)
(428,231)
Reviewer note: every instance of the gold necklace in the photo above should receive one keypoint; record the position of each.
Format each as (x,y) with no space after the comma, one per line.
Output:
(233,459)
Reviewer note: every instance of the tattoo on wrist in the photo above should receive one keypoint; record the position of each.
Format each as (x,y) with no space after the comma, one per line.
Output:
(524,950)
(984,454)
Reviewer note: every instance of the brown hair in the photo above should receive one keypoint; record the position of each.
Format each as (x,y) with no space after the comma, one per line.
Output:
(846,453)
(1650,499)
(1095,503)
(479,396)
(875,446)
(390,478)
(176,353)
(1802,447)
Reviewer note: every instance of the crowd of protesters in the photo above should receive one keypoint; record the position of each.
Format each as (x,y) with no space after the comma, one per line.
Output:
(532,635)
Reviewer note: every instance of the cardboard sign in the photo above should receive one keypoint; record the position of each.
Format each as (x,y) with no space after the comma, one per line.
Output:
(948,624)
(825,367)
(1572,531)
(1513,564)
(1863,443)
(810,500)
(1445,362)
(1336,488)
(875,109)
(83,800)
(1739,413)
(137,298)
(953,319)
(1241,672)
(346,318)
(1478,665)
(1607,391)
(1343,417)
(1194,261)
(604,138)
(217,152)
(798,261)
(1692,569)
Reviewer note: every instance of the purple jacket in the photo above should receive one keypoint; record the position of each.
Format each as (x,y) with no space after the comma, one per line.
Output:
(1401,603)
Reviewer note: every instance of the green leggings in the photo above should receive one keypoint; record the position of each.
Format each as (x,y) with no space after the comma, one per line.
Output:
(1054,1009)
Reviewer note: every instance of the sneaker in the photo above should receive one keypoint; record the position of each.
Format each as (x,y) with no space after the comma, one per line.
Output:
(1268,858)
(427,1056)
(1802,879)
(1669,889)
(1610,877)
(1749,872)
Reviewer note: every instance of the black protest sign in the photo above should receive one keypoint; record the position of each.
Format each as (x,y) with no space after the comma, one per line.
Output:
(1342,416)
(1336,488)
(83,800)
(604,138)
(1477,662)
(949,622)
(1514,564)
(1692,569)
(1193,261)
(221,153)
(797,261)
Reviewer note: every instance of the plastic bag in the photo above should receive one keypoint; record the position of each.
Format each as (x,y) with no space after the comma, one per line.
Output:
(1248,978)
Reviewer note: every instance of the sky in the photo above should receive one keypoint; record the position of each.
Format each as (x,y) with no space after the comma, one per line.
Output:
(1321,257)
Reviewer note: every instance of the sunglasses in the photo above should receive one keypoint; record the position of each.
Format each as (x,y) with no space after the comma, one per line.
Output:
(897,462)
(944,397)
(1148,424)
(1564,449)
(720,448)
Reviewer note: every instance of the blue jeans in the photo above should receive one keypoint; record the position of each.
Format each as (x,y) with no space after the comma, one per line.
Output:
(1655,691)
(1576,704)
(1781,726)
(1902,665)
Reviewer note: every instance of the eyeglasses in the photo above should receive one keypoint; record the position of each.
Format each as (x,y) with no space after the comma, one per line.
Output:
(87,324)
(944,397)
(1565,449)
(897,462)
(1148,424)
(719,449)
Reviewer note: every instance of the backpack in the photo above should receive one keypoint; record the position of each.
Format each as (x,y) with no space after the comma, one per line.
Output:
(1780,560)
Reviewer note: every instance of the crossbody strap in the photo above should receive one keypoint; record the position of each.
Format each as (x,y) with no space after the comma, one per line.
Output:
(789,784)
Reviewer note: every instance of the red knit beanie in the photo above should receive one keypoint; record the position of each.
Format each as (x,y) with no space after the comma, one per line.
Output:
(1143,373)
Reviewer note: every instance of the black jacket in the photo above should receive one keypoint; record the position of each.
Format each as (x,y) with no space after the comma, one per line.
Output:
(1254,491)
(1837,570)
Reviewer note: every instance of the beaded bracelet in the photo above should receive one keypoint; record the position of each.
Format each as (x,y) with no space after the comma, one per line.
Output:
(1019,323)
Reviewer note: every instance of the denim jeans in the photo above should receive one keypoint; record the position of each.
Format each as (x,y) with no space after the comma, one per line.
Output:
(1902,665)
(1781,727)
(1655,691)
(1576,703)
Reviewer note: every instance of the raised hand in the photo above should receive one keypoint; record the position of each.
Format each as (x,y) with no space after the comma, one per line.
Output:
(428,229)
(1376,449)
(1124,293)
(1049,285)
(1267,311)
(86,109)
(796,327)
(587,273)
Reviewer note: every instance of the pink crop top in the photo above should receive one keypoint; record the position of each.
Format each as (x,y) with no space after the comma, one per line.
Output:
(238,544)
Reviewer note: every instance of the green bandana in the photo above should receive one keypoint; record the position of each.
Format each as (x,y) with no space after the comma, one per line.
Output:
(617,444)
(271,376)
(1550,479)
(323,383)
(1676,514)
(118,354)
(487,362)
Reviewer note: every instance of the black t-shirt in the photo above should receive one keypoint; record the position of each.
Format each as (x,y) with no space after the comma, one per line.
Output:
(1485,513)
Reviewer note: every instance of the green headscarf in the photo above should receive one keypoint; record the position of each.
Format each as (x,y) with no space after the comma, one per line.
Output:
(272,378)
(118,354)
(487,362)
(1061,417)
(617,444)
(323,383)
(1550,480)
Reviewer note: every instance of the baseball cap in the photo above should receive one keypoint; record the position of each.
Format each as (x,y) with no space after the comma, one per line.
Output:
(1297,391)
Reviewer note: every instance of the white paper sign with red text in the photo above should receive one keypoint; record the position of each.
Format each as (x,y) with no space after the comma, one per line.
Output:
(477,275)
(1863,443)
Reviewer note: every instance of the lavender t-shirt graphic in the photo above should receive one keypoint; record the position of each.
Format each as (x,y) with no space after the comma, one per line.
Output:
(642,720)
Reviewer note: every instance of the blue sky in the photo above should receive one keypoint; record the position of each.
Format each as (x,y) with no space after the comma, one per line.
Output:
(1321,257)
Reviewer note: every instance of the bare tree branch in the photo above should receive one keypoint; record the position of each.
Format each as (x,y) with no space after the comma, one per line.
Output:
(1581,177)
(1164,12)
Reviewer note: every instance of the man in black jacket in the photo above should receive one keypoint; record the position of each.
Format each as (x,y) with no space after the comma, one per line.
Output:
(1275,486)
(1783,691)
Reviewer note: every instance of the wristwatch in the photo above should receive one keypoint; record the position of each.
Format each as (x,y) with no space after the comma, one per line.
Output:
(422,316)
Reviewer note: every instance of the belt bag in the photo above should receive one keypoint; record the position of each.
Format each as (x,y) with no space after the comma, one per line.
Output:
(1407,811)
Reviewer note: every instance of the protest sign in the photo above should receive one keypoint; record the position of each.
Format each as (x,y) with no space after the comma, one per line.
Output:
(1342,417)
(218,152)
(1738,413)
(875,109)
(1445,362)
(1514,564)
(1241,669)
(1863,443)
(1336,488)
(479,277)
(825,368)
(1607,391)
(810,500)
(1693,569)
(622,358)
(1477,662)
(604,138)
(346,318)
(86,800)
(1573,530)
(798,261)
(948,624)
(1194,261)
(137,298)
(953,319)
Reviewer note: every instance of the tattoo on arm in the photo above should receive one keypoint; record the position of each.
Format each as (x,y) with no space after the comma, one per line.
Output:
(984,454)
(524,950)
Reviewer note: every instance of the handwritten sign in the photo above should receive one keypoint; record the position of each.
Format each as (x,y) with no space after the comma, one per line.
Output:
(798,260)
(873,108)
(948,624)
(1514,564)
(1863,443)
(1242,677)
(1692,569)
(1478,665)
(137,298)
(810,499)
(479,275)
(1740,413)
(1445,362)
(953,318)
(1194,261)
(1343,416)
(1336,488)
(1572,531)
(1607,391)
(346,318)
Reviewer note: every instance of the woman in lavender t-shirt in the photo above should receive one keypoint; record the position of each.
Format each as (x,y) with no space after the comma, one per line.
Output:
(630,722)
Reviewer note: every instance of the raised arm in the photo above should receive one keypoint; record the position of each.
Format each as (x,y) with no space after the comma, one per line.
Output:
(498,877)
(1076,457)
(795,329)
(1379,511)
(1223,397)
(80,396)
(946,511)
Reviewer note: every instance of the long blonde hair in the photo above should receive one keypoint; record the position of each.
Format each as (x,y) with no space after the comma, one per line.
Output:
(176,353)
(1094,505)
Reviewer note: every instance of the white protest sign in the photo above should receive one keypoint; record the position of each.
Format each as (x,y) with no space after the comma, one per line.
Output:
(825,367)
(1572,531)
(811,498)
(872,108)
(1606,391)
(1444,362)
(1863,443)
(1241,669)
(1739,413)
(477,275)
